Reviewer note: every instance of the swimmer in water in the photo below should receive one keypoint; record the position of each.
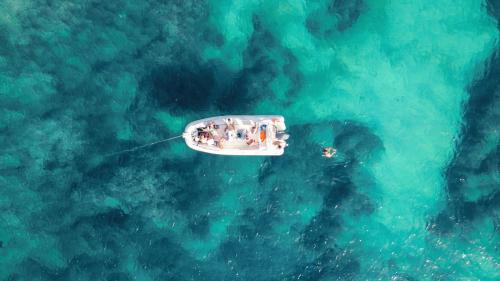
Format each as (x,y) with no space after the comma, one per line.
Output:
(329,152)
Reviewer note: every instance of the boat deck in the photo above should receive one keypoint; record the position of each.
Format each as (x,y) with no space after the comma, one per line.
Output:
(260,128)
(236,139)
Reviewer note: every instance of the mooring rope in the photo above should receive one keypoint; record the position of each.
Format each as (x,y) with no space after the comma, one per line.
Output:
(142,146)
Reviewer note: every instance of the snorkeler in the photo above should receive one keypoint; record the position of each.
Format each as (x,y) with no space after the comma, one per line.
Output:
(329,152)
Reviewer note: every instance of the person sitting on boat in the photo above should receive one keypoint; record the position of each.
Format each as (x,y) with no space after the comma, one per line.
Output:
(278,124)
(230,129)
(252,142)
(253,127)
(329,152)
(250,139)
(230,124)
(280,143)
(212,129)
(220,142)
(204,137)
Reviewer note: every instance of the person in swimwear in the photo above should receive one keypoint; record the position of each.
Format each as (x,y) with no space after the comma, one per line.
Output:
(329,152)
(230,126)
(280,144)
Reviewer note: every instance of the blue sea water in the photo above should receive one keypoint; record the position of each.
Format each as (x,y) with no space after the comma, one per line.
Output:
(408,92)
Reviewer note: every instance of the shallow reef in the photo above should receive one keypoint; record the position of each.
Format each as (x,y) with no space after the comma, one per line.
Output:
(407,92)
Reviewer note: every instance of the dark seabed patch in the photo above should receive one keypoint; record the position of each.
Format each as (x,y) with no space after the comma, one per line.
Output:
(475,167)
(188,87)
(81,80)
(346,11)
(317,257)
(180,88)
(259,69)
(337,16)
(332,264)
(493,7)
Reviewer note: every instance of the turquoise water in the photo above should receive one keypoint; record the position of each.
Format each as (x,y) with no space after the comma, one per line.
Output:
(407,91)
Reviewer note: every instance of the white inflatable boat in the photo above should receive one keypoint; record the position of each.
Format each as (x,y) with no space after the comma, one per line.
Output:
(238,135)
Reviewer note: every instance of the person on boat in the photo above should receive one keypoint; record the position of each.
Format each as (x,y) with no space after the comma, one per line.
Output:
(252,142)
(230,124)
(230,129)
(250,138)
(280,143)
(211,126)
(253,127)
(329,152)
(277,122)
(219,142)
(212,129)
(203,138)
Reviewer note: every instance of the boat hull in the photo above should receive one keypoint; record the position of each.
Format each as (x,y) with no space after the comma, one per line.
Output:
(267,127)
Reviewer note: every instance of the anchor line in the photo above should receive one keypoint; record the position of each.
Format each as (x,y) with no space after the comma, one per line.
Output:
(142,146)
